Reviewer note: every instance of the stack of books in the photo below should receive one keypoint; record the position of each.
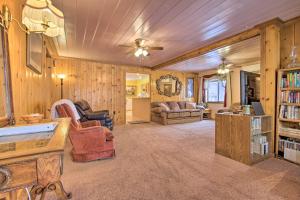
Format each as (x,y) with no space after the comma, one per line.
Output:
(256,123)
(289,112)
(290,80)
(260,145)
(290,97)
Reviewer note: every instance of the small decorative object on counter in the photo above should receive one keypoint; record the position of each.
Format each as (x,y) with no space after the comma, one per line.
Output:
(247,110)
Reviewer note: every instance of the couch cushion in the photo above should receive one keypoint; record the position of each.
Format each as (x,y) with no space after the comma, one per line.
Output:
(171,115)
(173,106)
(184,113)
(195,113)
(164,106)
(190,105)
(182,104)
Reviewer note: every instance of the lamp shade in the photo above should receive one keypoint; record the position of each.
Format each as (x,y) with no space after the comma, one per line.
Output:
(61,76)
(41,16)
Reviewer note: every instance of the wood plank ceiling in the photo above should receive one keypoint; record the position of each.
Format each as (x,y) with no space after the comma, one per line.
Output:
(95,28)
(242,53)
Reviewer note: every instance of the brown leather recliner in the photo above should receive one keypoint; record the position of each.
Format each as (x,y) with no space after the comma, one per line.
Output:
(86,113)
(90,141)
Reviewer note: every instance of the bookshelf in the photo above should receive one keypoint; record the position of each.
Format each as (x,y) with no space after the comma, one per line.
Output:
(244,138)
(288,119)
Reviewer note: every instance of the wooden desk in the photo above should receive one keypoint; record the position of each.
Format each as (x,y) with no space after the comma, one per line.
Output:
(35,163)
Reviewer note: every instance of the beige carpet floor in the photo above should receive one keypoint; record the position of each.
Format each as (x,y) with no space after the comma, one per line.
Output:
(176,162)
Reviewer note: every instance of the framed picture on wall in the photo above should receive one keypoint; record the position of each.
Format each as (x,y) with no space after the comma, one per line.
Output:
(34,57)
(190,88)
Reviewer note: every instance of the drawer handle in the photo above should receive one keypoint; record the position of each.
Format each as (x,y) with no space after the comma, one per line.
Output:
(5,175)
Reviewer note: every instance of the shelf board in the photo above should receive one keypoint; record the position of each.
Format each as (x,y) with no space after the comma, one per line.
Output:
(289,120)
(292,135)
(290,104)
(290,89)
(290,69)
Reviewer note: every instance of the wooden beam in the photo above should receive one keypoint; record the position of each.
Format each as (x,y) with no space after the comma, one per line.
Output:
(222,43)
(270,62)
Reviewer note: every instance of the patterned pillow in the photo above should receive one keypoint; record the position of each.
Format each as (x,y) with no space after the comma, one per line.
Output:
(190,105)
(173,106)
(164,106)
(181,104)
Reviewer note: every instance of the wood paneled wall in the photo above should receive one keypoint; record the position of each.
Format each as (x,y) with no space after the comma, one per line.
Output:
(290,35)
(30,91)
(103,85)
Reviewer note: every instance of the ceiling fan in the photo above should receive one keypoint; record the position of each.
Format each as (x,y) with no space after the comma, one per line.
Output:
(140,48)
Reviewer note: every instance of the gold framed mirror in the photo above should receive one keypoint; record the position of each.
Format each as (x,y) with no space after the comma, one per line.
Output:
(6,101)
(168,85)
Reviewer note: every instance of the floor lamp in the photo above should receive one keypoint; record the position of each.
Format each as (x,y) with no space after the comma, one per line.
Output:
(61,77)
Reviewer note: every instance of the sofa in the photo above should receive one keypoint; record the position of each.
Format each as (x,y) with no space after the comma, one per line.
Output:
(175,112)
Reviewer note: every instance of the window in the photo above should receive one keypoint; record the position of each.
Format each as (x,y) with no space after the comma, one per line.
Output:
(190,88)
(214,90)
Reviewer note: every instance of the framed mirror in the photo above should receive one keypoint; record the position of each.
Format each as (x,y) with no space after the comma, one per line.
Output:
(168,85)
(6,102)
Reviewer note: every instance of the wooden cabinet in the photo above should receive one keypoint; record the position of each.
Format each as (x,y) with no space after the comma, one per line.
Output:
(244,138)
(35,164)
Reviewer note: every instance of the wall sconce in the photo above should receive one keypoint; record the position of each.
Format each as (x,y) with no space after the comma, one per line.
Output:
(38,16)
(61,77)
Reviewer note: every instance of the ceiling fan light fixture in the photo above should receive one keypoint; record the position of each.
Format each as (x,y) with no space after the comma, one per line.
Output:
(145,53)
(41,16)
(138,52)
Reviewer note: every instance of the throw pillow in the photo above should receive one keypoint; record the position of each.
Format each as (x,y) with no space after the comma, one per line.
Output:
(164,106)
(174,106)
(190,105)
(181,104)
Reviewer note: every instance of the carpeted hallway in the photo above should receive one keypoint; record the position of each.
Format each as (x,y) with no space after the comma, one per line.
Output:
(176,162)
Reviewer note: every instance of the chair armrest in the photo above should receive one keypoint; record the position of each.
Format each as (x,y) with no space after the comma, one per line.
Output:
(87,139)
(98,130)
(91,123)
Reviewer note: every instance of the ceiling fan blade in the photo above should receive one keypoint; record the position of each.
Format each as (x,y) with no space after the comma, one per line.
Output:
(126,46)
(155,48)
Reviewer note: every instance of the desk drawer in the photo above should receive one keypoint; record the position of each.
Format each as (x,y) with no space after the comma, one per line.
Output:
(17,175)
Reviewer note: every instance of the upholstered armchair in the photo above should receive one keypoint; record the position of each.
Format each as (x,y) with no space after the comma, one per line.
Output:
(90,141)
(86,113)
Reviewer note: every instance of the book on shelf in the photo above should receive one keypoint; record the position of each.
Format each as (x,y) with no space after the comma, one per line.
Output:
(259,145)
(289,112)
(290,80)
(290,97)
(256,123)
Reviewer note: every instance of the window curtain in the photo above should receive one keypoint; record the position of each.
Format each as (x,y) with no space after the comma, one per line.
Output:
(228,91)
(205,77)
(200,90)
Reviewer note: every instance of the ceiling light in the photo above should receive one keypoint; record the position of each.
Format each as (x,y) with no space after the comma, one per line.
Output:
(41,16)
(223,70)
(145,53)
(138,52)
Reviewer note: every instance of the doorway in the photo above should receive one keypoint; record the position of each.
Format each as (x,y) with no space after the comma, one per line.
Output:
(137,98)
